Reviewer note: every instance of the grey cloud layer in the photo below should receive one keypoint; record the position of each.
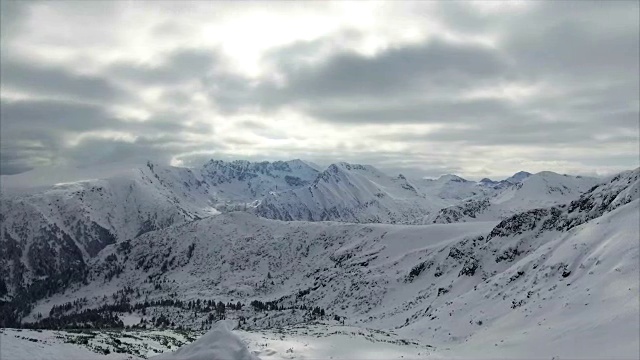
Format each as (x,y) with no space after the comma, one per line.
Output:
(23,76)
(180,65)
(577,61)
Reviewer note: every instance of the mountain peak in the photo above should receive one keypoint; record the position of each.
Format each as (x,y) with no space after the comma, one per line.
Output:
(518,177)
(452,178)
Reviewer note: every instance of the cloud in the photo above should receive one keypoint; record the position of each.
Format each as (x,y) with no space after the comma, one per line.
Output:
(56,82)
(425,70)
(52,116)
(180,65)
(472,88)
(41,132)
(12,16)
(429,66)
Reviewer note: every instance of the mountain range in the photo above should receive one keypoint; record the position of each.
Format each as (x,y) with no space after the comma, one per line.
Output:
(548,257)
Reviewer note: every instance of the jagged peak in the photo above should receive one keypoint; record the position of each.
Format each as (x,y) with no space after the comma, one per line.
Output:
(257,166)
(349,166)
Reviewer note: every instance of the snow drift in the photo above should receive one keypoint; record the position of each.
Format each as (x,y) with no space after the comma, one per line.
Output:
(217,344)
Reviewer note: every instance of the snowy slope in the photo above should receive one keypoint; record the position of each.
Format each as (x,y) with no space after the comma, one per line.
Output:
(230,256)
(563,274)
(556,279)
(523,192)
(219,343)
(54,231)
(353,193)
(50,230)
(21,344)
(574,296)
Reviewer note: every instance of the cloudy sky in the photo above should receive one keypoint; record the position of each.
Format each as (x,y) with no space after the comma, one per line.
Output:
(473,88)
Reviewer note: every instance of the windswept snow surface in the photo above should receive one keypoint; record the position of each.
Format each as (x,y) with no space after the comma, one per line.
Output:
(217,344)
(322,341)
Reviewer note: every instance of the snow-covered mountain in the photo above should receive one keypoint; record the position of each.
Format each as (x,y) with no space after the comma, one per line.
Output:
(362,194)
(243,180)
(451,187)
(514,179)
(524,192)
(550,258)
(50,231)
(551,276)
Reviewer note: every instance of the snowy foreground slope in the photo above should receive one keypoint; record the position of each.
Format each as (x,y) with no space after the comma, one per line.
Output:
(218,343)
(18,344)
(317,341)
(559,281)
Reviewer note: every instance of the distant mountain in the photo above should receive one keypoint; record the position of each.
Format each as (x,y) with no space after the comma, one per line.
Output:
(451,187)
(518,177)
(243,180)
(522,192)
(514,179)
(352,193)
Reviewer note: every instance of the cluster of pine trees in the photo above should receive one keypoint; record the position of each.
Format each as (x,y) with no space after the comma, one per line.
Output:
(11,312)
(274,306)
(71,314)
(85,319)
